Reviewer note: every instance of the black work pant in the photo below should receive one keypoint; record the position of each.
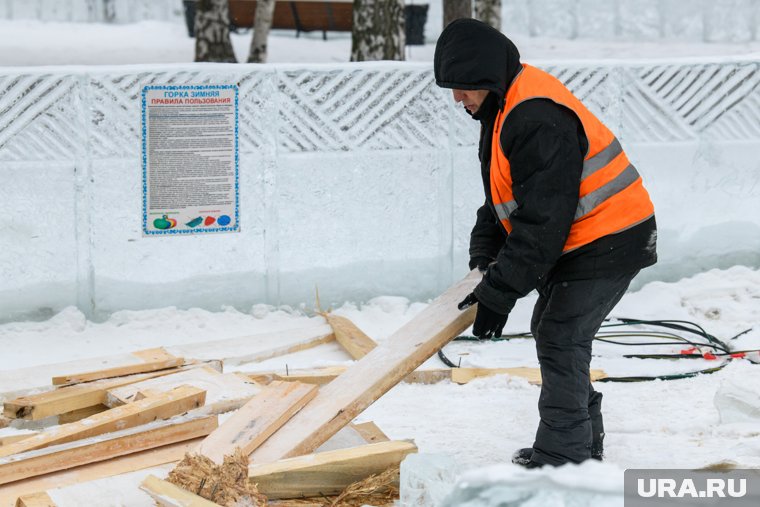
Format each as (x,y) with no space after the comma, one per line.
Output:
(565,319)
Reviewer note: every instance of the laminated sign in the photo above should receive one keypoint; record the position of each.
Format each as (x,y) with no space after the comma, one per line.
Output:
(190,159)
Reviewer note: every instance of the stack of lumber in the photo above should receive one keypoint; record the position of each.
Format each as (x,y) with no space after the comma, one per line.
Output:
(285,437)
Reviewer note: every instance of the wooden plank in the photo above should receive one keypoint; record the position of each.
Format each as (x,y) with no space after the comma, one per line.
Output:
(322,376)
(10,439)
(327,473)
(150,360)
(70,398)
(74,454)
(224,392)
(164,455)
(258,347)
(176,402)
(82,413)
(167,494)
(41,499)
(340,401)
(316,376)
(250,426)
(532,375)
(351,338)
(370,432)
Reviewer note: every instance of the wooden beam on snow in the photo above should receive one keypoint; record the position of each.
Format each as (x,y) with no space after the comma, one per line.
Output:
(532,375)
(128,463)
(11,439)
(166,494)
(257,420)
(322,376)
(167,405)
(150,360)
(373,375)
(74,454)
(35,500)
(327,473)
(370,432)
(351,338)
(316,376)
(258,347)
(71,398)
(224,392)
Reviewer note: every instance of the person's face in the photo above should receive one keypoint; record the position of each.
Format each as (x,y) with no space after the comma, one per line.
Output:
(470,99)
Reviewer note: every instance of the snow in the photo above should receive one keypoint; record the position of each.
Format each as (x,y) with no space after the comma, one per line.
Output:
(660,424)
(705,184)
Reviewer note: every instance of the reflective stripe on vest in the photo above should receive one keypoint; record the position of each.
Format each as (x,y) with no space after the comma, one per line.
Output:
(612,197)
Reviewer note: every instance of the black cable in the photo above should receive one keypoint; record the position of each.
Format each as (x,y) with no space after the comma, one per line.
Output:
(718,347)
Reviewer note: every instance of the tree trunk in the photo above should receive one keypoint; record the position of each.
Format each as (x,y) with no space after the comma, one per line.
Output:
(455,9)
(212,32)
(378,30)
(261,26)
(489,11)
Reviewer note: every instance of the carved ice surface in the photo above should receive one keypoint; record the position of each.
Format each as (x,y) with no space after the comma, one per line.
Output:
(427,479)
(737,404)
(358,179)
(591,483)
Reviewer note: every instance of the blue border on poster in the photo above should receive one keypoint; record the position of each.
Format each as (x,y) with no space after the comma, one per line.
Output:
(236,228)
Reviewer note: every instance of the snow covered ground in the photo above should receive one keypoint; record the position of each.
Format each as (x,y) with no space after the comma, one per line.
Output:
(658,424)
(668,424)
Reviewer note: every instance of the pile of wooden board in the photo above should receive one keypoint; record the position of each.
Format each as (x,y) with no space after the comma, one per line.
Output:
(150,408)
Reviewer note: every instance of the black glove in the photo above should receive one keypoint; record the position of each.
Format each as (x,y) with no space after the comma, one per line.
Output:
(480,262)
(488,323)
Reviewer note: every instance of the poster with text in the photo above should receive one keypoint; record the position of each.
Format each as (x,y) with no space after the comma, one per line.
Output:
(190,159)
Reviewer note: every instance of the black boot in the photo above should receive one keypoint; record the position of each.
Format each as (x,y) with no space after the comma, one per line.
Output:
(523,457)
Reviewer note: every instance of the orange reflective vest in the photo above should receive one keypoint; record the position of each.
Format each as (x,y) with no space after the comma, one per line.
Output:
(612,196)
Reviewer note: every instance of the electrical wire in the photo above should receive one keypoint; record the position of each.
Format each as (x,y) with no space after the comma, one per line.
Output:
(717,347)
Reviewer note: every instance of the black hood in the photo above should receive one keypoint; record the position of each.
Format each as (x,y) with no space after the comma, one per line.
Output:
(471,55)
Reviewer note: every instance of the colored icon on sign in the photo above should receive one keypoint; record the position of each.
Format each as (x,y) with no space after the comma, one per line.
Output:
(164,223)
(209,221)
(194,222)
(224,220)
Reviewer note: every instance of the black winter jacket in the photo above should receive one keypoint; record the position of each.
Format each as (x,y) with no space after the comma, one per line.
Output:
(545,145)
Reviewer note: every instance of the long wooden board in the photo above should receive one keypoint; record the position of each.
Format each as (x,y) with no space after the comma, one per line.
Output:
(70,398)
(255,421)
(322,376)
(167,455)
(73,454)
(257,347)
(224,392)
(233,351)
(532,375)
(350,337)
(164,457)
(35,500)
(166,494)
(134,414)
(150,360)
(327,473)
(372,376)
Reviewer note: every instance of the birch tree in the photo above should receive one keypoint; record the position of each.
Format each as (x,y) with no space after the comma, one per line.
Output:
(378,30)
(489,11)
(212,32)
(455,9)
(261,26)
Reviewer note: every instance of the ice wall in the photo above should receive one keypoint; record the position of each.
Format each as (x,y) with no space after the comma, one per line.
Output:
(359,179)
